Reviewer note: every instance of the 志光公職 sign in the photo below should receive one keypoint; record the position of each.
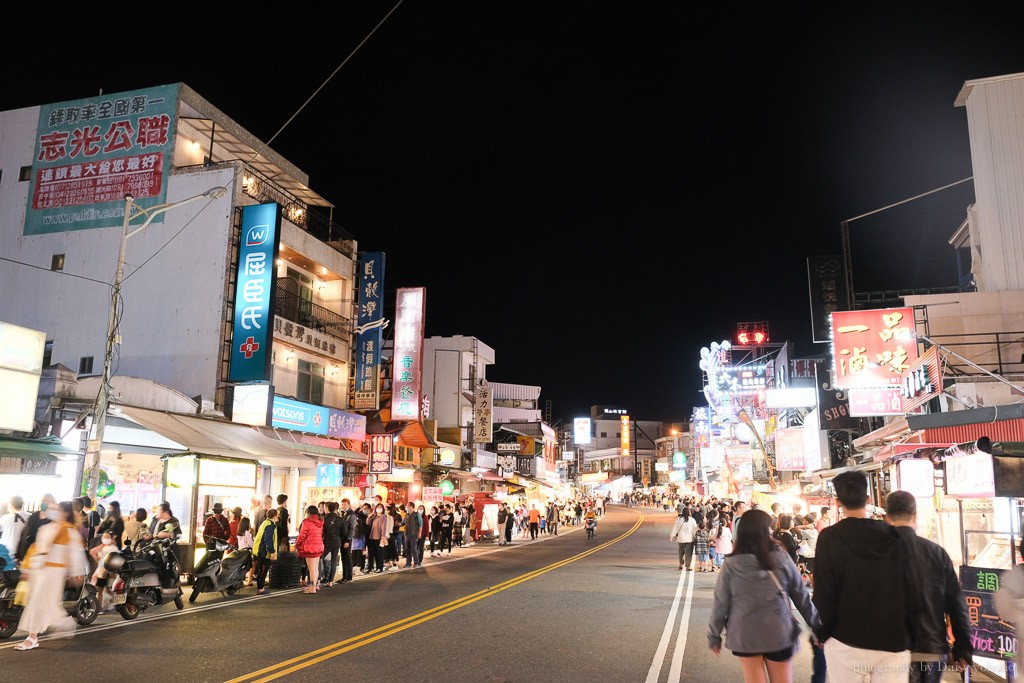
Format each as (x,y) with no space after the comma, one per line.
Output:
(254,293)
(90,153)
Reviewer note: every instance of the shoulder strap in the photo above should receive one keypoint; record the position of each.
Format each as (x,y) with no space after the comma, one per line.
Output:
(778,585)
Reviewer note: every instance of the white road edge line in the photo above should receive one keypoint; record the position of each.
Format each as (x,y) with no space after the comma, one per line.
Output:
(659,655)
(684,627)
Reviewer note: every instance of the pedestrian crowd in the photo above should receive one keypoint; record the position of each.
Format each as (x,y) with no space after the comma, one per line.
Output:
(882,603)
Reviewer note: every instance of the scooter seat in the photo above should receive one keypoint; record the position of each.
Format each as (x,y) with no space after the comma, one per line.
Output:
(237,557)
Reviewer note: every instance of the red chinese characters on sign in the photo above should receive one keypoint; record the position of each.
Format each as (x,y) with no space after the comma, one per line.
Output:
(381,459)
(872,348)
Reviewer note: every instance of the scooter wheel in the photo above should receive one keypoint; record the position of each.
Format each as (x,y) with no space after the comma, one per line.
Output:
(179,603)
(87,610)
(8,627)
(129,611)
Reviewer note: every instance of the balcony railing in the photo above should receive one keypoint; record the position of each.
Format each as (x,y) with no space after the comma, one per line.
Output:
(288,304)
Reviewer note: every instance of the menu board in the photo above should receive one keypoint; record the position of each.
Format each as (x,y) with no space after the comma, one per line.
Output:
(990,634)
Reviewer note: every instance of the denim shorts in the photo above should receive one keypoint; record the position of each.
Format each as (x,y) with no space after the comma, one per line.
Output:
(702,557)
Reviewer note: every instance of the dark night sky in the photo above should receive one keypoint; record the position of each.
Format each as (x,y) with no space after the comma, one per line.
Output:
(595,190)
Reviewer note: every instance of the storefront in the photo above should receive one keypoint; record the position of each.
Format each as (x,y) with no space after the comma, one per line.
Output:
(31,468)
(221,462)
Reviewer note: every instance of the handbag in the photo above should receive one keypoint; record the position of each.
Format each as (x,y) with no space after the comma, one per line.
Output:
(795,629)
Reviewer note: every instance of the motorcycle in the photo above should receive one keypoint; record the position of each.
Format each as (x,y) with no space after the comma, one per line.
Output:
(222,570)
(591,528)
(146,576)
(10,614)
(79,601)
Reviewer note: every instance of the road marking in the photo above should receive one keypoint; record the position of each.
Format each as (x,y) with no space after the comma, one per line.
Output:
(290,666)
(659,655)
(684,629)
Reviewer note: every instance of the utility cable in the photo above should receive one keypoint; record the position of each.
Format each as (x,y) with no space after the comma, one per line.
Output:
(51,270)
(324,84)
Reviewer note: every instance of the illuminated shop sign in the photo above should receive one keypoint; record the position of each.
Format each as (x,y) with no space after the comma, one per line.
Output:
(368,330)
(407,378)
(872,348)
(254,293)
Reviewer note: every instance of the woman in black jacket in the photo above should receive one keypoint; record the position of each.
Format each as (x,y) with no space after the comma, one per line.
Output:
(333,533)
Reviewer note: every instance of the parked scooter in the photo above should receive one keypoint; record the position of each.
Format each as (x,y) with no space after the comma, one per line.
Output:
(222,570)
(10,614)
(146,576)
(79,601)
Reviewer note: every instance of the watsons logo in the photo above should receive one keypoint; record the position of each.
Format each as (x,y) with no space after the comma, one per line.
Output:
(291,414)
(257,235)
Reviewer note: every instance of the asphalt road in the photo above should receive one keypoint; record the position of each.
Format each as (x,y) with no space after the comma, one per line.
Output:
(562,608)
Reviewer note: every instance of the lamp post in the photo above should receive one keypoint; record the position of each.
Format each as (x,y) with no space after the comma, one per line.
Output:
(131,211)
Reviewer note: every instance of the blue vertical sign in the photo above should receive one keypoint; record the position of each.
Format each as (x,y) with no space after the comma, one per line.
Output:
(254,293)
(369,330)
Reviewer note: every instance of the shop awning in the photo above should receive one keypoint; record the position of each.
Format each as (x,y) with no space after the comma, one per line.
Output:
(205,436)
(46,449)
(299,443)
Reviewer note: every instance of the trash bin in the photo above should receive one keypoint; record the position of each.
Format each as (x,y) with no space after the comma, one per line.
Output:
(286,571)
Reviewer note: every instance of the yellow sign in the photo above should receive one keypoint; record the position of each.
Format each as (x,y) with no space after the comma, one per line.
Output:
(624,434)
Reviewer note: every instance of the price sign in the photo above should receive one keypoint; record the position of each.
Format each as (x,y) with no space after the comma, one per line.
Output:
(990,634)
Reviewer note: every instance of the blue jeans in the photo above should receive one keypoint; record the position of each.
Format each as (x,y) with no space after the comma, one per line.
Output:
(818,664)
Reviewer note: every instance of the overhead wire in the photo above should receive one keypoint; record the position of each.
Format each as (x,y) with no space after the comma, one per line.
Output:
(326,81)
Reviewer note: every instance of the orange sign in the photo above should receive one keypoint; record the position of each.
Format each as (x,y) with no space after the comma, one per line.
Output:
(624,434)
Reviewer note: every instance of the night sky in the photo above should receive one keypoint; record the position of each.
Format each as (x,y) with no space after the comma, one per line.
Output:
(595,190)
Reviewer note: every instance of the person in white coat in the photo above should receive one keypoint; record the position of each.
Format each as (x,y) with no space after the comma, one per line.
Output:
(58,554)
(684,531)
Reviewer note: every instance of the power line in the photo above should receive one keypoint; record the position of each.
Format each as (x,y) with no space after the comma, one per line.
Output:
(326,81)
(51,270)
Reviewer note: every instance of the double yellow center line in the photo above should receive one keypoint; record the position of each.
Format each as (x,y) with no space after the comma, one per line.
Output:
(289,666)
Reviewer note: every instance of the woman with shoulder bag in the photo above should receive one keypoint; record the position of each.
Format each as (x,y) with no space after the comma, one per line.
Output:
(753,598)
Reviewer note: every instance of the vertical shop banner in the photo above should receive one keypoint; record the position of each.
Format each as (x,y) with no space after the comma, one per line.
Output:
(872,348)
(369,327)
(90,153)
(407,373)
(624,435)
(826,283)
(483,426)
(922,381)
(381,458)
(254,293)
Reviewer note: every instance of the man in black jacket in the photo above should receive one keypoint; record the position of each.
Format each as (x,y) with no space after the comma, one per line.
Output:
(349,527)
(866,590)
(333,533)
(941,597)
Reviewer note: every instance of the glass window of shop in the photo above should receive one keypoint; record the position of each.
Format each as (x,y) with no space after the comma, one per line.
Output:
(305,294)
(310,384)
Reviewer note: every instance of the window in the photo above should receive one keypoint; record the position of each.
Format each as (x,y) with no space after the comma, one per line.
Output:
(85,365)
(305,295)
(57,262)
(310,386)
(25,174)
(48,354)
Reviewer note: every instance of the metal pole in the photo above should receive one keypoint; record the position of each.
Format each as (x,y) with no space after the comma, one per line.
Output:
(103,402)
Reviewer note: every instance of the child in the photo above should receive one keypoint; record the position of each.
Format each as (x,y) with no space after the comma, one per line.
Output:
(99,577)
(701,541)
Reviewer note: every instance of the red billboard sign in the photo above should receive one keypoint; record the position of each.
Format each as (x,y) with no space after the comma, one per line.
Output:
(873,348)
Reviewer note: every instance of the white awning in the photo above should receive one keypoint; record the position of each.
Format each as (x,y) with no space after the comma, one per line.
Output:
(205,436)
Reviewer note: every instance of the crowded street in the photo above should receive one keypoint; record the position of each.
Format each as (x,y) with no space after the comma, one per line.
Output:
(562,607)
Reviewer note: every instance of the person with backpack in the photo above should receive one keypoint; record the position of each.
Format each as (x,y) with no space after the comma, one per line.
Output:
(333,535)
(265,550)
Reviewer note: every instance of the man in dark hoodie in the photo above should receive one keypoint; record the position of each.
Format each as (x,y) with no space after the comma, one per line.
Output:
(866,590)
(941,595)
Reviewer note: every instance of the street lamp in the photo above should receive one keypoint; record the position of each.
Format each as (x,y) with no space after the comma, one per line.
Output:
(131,212)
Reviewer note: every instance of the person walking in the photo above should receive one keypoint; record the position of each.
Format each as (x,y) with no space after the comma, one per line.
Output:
(752,604)
(457,526)
(434,522)
(265,550)
(359,539)
(942,599)
(722,540)
(701,545)
(552,516)
(309,545)
(40,518)
(863,568)
(349,529)
(783,533)
(510,523)
(684,532)
(413,523)
(56,556)
(12,525)
(334,534)
(534,521)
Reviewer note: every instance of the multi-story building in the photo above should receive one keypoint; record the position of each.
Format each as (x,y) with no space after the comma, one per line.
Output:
(157,185)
